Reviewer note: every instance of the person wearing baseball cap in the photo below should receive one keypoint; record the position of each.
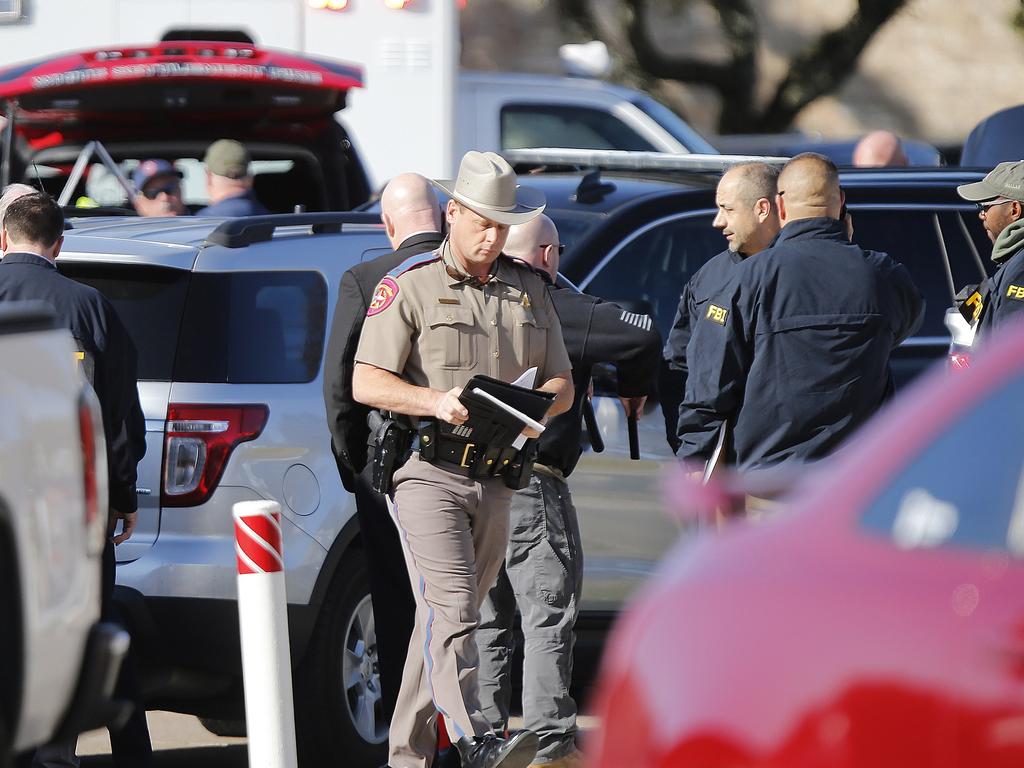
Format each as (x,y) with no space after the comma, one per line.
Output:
(1000,200)
(159,189)
(229,181)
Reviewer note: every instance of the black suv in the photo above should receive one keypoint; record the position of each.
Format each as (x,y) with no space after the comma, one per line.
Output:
(636,236)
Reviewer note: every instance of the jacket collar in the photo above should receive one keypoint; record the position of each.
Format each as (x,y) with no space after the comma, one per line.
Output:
(33,259)
(430,239)
(821,226)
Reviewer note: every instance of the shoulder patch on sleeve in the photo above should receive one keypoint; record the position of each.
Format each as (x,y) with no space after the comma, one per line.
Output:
(717,314)
(640,321)
(383,295)
(1015,292)
(419,260)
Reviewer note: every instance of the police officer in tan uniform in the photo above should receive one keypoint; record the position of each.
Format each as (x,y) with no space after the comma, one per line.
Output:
(435,322)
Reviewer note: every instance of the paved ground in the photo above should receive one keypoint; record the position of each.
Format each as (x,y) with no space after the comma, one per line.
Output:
(180,741)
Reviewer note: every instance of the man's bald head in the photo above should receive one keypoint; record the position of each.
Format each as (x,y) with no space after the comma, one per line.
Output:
(524,241)
(409,206)
(809,188)
(753,181)
(879,149)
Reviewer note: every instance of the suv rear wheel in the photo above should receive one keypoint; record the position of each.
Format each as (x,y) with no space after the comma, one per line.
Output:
(338,698)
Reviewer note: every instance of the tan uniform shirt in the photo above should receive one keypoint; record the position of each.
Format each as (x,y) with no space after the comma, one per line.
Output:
(436,331)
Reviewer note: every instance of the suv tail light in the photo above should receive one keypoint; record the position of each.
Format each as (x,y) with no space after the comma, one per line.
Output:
(198,441)
(94,470)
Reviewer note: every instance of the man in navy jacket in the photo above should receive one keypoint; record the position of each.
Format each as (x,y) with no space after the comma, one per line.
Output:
(794,351)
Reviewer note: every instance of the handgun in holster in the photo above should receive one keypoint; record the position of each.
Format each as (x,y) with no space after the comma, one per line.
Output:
(517,474)
(391,442)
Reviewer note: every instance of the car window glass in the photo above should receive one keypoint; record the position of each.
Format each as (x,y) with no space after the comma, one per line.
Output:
(529,125)
(252,328)
(674,124)
(572,226)
(102,187)
(911,238)
(148,300)
(649,272)
(964,487)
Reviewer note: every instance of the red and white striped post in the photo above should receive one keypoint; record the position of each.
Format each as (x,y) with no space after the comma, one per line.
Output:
(263,624)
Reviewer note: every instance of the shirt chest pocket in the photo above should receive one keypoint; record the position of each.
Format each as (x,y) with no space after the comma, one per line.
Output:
(453,335)
(530,338)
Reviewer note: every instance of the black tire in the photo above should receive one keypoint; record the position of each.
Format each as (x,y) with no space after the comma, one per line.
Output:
(338,723)
(229,728)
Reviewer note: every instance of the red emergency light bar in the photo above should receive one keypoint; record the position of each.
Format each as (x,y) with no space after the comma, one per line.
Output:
(177,61)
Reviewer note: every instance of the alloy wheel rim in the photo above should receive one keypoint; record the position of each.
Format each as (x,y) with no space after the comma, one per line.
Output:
(361,676)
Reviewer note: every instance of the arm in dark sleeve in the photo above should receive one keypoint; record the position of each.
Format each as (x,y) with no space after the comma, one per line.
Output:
(125,424)
(627,340)
(719,358)
(679,336)
(338,364)
(908,303)
(672,371)
(1005,300)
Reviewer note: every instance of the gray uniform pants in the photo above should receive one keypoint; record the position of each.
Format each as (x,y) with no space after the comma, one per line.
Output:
(543,575)
(454,533)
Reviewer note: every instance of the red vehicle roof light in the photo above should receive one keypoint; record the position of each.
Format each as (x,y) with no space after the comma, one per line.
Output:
(198,441)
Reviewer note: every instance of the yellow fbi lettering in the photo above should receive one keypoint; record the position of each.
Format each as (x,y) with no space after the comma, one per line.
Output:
(1015,292)
(975,303)
(717,314)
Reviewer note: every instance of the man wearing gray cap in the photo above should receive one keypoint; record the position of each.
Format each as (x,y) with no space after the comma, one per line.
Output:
(1000,200)
(229,181)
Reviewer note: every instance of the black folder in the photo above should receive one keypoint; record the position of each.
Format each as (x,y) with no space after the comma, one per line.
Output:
(488,423)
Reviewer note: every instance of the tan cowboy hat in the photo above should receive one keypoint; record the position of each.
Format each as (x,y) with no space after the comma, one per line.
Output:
(487,186)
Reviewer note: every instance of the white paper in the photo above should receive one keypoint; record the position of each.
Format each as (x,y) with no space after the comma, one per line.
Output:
(521,440)
(716,455)
(528,379)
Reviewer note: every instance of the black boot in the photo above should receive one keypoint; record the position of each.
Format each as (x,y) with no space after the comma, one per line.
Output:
(517,751)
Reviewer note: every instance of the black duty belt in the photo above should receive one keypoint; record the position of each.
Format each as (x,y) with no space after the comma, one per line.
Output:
(471,459)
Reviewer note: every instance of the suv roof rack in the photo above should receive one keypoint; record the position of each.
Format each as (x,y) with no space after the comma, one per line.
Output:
(622,160)
(238,233)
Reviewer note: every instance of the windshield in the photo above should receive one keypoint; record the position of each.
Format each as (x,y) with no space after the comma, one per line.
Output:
(672,123)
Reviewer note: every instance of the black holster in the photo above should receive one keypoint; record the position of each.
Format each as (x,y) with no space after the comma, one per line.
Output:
(391,441)
(517,473)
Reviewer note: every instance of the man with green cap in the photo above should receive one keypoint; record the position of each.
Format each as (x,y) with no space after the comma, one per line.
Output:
(1000,200)
(229,181)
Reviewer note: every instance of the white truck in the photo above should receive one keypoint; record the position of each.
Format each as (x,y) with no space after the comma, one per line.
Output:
(417,110)
(58,662)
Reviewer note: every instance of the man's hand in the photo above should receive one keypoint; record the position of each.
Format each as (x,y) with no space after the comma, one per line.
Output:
(634,405)
(532,433)
(128,520)
(449,408)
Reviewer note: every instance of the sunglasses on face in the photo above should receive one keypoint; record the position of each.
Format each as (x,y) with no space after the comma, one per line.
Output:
(170,188)
(983,207)
(560,246)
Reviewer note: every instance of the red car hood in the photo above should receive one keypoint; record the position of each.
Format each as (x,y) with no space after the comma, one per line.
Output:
(165,84)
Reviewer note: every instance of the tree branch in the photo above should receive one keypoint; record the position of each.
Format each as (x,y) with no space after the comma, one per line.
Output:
(579,13)
(825,65)
(658,64)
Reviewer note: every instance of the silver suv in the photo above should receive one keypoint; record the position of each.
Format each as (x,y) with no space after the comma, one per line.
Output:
(229,319)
